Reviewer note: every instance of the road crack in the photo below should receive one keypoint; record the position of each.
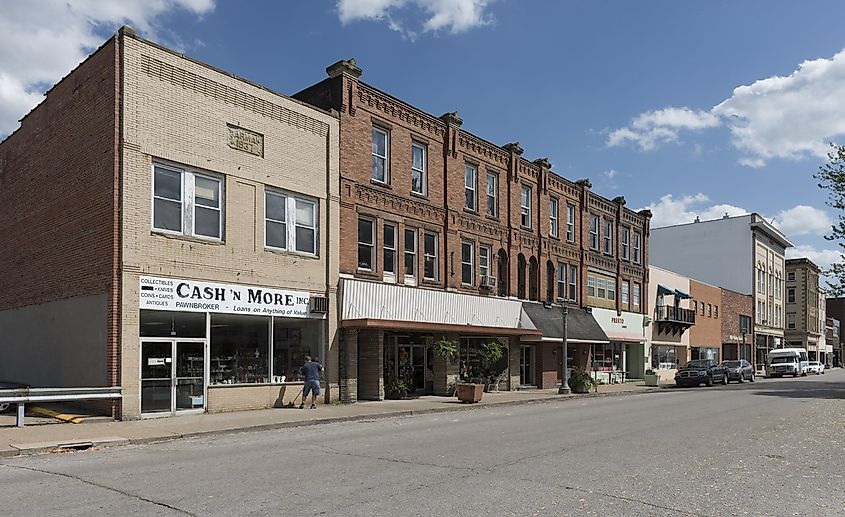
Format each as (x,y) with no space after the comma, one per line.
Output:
(104,487)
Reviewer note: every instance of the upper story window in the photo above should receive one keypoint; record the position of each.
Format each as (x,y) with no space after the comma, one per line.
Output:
(790,321)
(790,275)
(562,274)
(419,166)
(389,249)
(492,194)
(594,231)
(467,263)
(573,283)
(470,179)
(601,288)
(790,295)
(484,253)
(611,289)
(381,147)
(716,311)
(430,256)
(591,286)
(410,252)
(366,244)
(553,217)
(626,241)
(608,236)
(761,281)
(525,207)
(625,293)
(290,223)
(187,202)
(570,223)
(635,295)
(745,324)
(636,247)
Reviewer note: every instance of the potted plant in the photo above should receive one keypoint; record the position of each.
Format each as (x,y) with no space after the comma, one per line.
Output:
(651,378)
(445,370)
(491,352)
(580,380)
(469,392)
(396,389)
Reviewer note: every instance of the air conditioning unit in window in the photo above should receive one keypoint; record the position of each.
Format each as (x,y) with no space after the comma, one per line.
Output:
(320,304)
(488,281)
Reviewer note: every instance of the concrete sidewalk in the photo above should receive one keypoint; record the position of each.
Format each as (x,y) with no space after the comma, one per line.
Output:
(42,438)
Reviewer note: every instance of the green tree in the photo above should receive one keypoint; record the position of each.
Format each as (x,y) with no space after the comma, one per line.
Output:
(831,178)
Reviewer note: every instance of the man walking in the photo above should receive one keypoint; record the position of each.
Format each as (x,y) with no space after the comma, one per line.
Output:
(311,371)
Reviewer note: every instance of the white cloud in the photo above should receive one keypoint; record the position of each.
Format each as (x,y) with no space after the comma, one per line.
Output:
(779,117)
(821,257)
(41,41)
(803,219)
(670,210)
(453,16)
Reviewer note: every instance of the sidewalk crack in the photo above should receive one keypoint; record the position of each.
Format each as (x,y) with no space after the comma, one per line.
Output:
(105,487)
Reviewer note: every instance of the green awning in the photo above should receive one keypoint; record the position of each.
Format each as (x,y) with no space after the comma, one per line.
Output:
(662,290)
(682,294)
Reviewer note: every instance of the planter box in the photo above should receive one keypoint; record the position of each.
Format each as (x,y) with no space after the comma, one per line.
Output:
(652,380)
(470,393)
(579,388)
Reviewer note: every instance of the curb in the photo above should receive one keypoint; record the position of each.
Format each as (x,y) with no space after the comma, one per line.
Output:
(330,420)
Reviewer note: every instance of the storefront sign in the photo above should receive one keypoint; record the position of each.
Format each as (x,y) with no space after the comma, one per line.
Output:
(246,140)
(171,294)
(627,326)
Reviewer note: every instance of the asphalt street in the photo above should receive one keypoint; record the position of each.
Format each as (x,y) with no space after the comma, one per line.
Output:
(774,447)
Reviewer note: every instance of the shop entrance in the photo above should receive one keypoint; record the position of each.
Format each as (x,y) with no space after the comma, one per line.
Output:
(526,365)
(410,359)
(172,376)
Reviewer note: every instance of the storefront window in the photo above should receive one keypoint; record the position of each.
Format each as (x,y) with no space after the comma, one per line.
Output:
(172,324)
(730,351)
(663,357)
(292,341)
(474,367)
(607,357)
(703,353)
(240,347)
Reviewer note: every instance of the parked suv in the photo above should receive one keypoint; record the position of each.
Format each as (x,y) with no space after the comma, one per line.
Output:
(739,370)
(700,371)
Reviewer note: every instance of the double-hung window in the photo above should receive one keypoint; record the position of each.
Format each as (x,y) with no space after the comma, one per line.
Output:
(492,194)
(467,263)
(389,247)
(553,217)
(525,207)
(562,275)
(626,242)
(570,223)
(591,286)
(381,149)
(573,283)
(625,293)
(636,247)
(608,236)
(470,183)
(601,288)
(187,202)
(290,223)
(366,244)
(484,261)
(635,295)
(430,256)
(410,252)
(594,232)
(790,295)
(611,289)
(419,166)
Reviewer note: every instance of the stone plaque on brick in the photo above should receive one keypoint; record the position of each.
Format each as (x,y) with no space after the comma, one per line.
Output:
(246,140)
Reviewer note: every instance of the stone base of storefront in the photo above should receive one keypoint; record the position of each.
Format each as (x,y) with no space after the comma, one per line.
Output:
(262,396)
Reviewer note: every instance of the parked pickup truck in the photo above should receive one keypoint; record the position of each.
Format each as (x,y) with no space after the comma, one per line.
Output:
(701,371)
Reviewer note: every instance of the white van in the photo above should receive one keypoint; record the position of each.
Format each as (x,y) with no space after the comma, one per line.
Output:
(787,361)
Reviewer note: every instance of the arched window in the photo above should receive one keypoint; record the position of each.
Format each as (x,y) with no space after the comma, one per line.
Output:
(503,272)
(550,281)
(533,279)
(520,276)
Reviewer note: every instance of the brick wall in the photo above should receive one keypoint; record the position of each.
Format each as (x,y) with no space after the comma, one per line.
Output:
(733,306)
(707,331)
(370,365)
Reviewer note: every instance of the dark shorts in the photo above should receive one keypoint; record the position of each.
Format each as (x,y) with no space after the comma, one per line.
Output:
(311,387)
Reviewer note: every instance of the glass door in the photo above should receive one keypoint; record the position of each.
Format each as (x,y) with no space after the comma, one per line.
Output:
(526,365)
(156,377)
(189,374)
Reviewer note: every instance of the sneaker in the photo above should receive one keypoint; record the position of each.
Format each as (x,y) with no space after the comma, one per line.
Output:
(302,406)
(313,406)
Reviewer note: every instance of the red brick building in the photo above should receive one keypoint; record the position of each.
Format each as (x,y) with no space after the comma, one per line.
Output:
(737,331)
(432,214)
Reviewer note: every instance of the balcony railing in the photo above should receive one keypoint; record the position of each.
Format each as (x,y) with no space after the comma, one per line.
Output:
(672,314)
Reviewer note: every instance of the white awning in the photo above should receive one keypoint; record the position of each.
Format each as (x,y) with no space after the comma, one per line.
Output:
(369,303)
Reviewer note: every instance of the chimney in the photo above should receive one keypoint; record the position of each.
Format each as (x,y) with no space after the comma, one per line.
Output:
(697,219)
(344,66)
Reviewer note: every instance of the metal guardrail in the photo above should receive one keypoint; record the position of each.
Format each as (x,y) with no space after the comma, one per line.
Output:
(23,396)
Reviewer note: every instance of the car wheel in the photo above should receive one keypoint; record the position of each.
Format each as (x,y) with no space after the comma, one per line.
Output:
(752,378)
(725,380)
(708,382)
(4,406)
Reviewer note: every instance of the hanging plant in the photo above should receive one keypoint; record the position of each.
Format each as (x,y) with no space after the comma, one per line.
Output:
(445,348)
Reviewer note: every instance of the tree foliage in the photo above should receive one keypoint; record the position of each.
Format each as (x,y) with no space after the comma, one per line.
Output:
(831,178)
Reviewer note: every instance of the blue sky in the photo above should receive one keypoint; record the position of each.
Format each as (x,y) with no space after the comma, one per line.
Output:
(689,108)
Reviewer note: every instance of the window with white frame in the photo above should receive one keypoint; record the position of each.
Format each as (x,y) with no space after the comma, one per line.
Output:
(381,147)
(626,240)
(570,223)
(389,246)
(608,236)
(492,194)
(573,283)
(611,289)
(430,256)
(419,165)
(761,281)
(553,217)
(790,295)
(790,276)
(290,223)
(470,179)
(625,294)
(562,275)
(635,295)
(366,244)
(187,202)
(601,288)
(594,231)
(591,286)
(790,321)
(484,261)
(525,207)
(636,247)
(411,252)
(467,263)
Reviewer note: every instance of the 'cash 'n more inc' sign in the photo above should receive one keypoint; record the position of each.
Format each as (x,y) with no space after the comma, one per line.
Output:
(173,294)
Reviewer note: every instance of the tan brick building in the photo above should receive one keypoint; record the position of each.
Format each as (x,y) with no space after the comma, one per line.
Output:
(803,328)
(176,233)
(432,214)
